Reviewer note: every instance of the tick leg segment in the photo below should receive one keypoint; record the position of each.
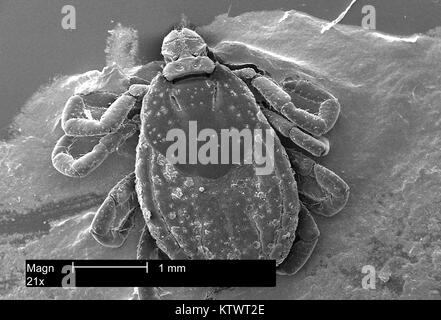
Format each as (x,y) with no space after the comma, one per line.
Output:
(288,119)
(115,217)
(321,190)
(79,122)
(280,100)
(76,121)
(307,235)
(148,250)
(65,163)
(316,146)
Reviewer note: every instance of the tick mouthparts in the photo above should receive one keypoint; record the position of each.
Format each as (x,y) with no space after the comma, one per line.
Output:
(188,66)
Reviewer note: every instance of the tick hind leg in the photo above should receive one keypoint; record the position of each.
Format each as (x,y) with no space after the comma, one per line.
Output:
(115,217)
(307,235)
(320,190)
(148,250)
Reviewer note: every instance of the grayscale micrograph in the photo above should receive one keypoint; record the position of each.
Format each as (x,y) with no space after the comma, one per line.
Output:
(220,150)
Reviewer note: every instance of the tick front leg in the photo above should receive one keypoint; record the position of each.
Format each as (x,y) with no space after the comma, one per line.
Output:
(280,100)
(320,190)
(77,121)
(284,121)
(64,161)
(115,217)
(317,147)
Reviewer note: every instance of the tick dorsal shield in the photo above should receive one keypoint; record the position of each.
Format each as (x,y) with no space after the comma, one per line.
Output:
(205,126)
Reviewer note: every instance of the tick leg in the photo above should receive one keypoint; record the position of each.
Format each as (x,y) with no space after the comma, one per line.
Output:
(76,121)
(321,190)
(148,250)
(316,146)
(65,163)
(307,235)
(284,121)
(115,217)
(316,124)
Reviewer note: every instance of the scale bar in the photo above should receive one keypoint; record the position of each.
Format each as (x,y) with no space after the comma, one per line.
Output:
(110,267)
(151,273)
(146,267)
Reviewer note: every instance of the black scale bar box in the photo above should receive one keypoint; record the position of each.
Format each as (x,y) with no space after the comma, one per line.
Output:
(150,273)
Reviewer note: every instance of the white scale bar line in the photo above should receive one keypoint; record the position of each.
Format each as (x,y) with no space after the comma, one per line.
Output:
(146,267)
(110,267)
